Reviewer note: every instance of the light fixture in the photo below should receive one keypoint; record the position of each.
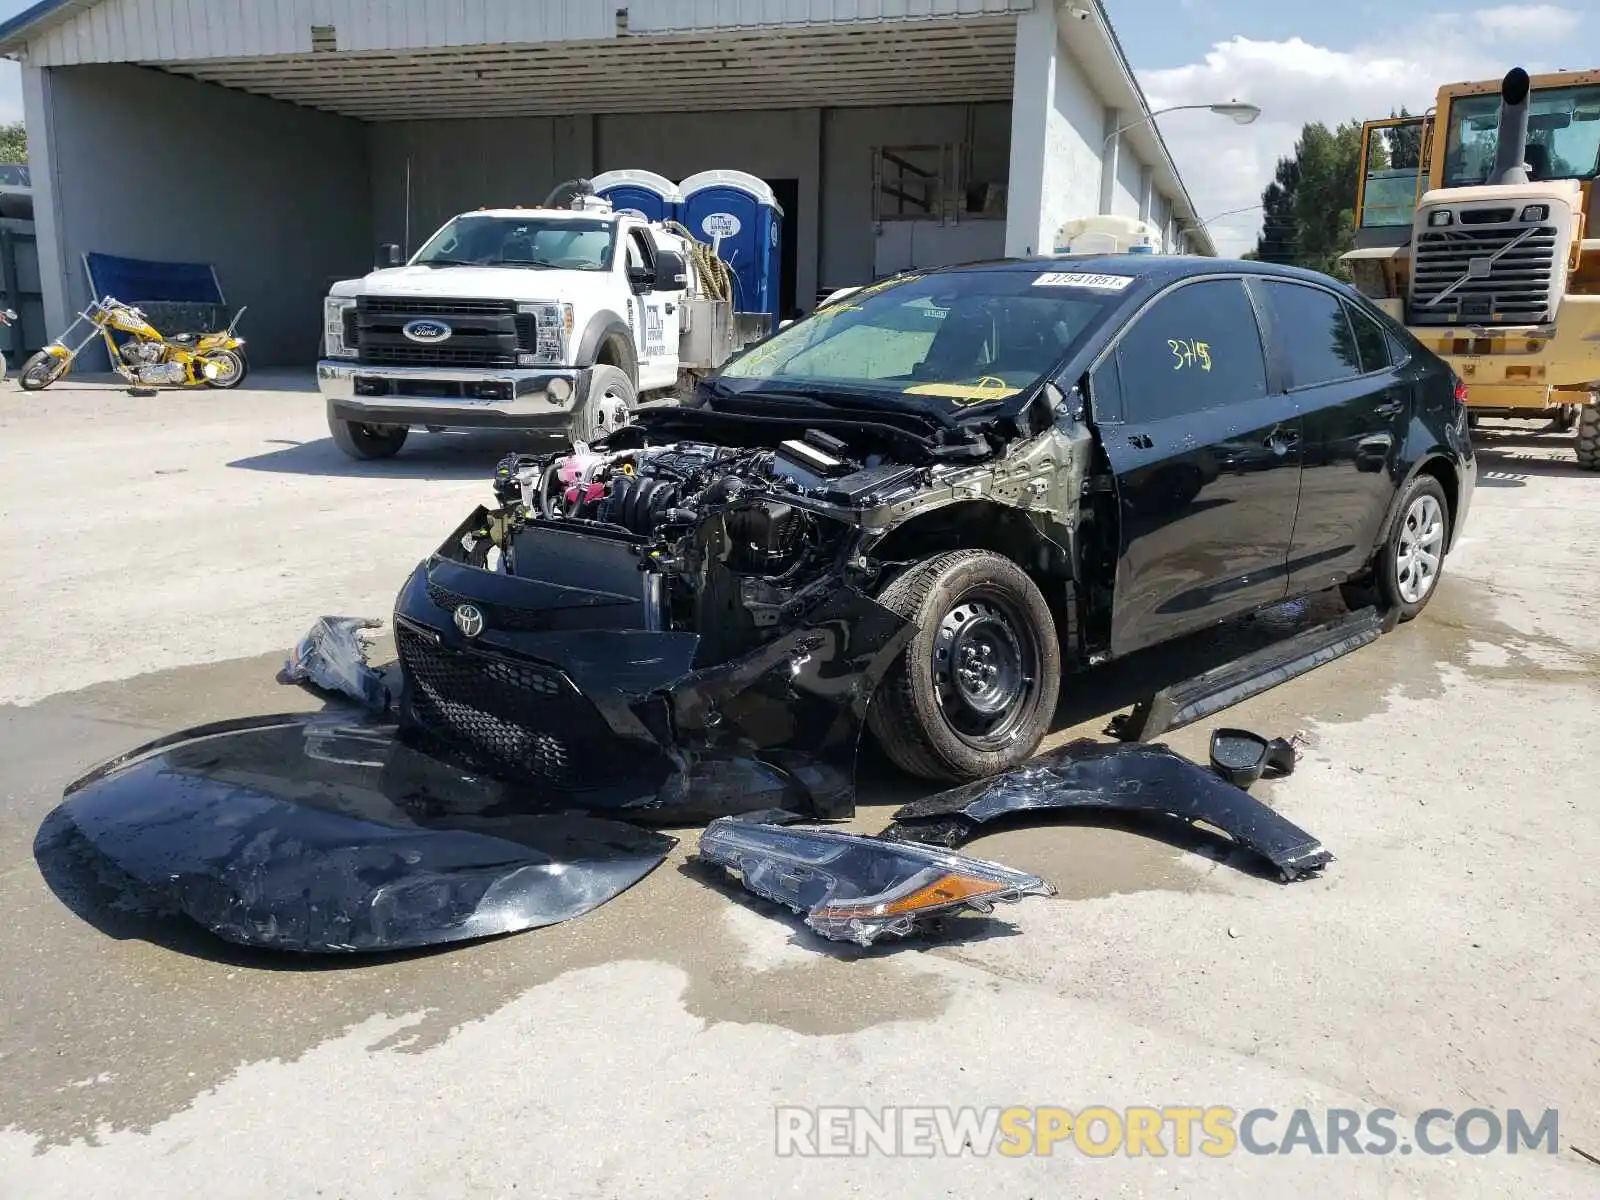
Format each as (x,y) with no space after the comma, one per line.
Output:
(1536,212)
(1440,216)
(1241,114)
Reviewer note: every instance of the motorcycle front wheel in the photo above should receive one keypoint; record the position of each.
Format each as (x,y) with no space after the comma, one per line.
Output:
(43,369)
(231,368)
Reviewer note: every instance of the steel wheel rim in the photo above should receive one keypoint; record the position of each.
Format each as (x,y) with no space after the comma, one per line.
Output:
(610,412)
(1421,549)
(986,667)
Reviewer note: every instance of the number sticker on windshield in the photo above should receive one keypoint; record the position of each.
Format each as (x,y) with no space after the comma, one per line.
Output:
(1187,352)
(1082,279)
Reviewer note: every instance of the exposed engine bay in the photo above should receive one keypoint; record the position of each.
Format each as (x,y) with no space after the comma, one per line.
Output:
(707,588)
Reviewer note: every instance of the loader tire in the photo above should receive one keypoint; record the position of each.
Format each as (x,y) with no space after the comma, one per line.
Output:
(1588,447)
(365,442)
(976,687)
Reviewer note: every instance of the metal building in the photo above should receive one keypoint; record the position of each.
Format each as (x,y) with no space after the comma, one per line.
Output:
(281,140)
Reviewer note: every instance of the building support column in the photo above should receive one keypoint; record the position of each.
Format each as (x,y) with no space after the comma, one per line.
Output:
(1147,193)
(1109,159)
(1033,91)
(55,273)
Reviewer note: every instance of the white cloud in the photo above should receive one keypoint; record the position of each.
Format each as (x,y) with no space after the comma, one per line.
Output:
(1534,22)
(1225,166)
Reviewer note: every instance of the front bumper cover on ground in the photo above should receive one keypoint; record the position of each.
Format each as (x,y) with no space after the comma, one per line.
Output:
(327,834)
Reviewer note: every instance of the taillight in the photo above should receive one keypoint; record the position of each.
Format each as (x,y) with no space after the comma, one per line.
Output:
(1461,392)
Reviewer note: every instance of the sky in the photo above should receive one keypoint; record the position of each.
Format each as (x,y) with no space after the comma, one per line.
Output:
(1300,60)
(1330,61)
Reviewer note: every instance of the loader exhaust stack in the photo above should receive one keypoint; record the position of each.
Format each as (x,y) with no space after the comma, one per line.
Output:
(1511,147)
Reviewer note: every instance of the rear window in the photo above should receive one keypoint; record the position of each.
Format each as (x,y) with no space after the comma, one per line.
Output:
(1310,333)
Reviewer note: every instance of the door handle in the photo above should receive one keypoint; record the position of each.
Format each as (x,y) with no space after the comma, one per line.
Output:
(671,309)
(1388,408)
(1140,441)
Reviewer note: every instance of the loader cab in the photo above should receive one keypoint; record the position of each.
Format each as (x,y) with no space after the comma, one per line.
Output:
(1396,157)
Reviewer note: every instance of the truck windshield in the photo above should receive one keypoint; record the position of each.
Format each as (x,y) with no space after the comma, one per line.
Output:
(955,340)
(1563,136)
(564,243)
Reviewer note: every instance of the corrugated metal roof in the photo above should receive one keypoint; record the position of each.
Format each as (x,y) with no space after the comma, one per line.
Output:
(187,30)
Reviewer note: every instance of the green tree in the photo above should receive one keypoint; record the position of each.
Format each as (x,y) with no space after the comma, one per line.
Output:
(1310,204)
(13,143)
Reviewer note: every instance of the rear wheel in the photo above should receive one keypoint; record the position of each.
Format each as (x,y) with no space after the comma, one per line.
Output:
(607,405)
(1407,571)
(975,689)
(43,369)
(231,368)
(1588,448)
(363,441)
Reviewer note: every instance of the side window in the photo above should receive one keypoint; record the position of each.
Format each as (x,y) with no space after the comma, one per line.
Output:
(1309,333)
(640,252)
(1105,391)
(1371,342)
(1194,349)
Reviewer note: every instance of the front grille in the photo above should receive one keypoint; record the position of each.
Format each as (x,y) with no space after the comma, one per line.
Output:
(1485,216)
(484,333)
(516,714)
(1453,280)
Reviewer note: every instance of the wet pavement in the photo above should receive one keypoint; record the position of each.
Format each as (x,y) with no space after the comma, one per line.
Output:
(1447,959)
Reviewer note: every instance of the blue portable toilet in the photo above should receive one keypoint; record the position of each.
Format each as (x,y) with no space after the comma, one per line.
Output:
(739,215)
(653,196)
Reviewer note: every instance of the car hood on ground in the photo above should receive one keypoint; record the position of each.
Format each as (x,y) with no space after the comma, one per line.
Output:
(328,833)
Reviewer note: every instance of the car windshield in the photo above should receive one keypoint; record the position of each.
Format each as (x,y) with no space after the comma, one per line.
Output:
(1563,135)
(960,339)
(564,243)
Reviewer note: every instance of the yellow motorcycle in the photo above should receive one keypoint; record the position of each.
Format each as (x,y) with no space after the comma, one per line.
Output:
(145,358)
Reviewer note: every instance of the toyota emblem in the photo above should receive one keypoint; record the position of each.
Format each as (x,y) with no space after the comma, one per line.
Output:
(469,619)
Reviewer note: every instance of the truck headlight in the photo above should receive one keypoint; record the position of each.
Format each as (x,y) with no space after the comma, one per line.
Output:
(544,333)
(1536,212)
(1440,216)
(338,327)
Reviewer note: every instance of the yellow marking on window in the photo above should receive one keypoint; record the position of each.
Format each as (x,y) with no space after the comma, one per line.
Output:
(1187,352)
(987,388)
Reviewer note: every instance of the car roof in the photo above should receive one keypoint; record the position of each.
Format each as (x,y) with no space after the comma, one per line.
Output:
(1157,268)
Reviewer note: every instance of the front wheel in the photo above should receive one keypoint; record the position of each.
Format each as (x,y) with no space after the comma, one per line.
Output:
(365,442)
(43,369)
(975,689)
(231,369)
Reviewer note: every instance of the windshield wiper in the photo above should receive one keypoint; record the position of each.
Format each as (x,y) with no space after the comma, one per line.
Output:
(448,262)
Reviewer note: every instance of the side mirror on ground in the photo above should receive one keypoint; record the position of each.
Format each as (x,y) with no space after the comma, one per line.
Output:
(671,275)
(389,256)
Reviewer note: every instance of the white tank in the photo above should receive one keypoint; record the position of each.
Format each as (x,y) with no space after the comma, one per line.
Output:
(1106,234)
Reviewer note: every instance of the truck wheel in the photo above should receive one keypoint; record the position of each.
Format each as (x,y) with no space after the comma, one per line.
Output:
(607,405)
(975,690)
(1589,437)
(363,441)
(1566,416)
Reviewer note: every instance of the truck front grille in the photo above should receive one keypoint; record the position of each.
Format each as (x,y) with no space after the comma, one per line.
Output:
(1456,277)
(483,333)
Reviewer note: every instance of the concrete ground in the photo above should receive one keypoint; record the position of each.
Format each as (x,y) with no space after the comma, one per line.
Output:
(164,552)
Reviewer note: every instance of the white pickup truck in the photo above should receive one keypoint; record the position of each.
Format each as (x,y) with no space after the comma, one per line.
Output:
(548,319)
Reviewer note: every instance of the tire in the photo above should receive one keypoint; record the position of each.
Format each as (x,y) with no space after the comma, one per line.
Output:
(241,368)
(1566,416)
(1400,579)
(1588,447)
(599,412)
(973,608)
(365,442)
(40,371)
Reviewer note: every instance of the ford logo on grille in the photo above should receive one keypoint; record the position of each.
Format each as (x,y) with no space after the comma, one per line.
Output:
(469,619)
(427,332)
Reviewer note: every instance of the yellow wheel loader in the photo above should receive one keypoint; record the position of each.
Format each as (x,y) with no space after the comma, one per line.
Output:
(1476,225)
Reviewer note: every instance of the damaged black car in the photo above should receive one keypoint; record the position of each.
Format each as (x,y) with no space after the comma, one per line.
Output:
(912,512)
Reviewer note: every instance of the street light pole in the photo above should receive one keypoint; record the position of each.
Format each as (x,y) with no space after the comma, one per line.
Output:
(1242,114)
